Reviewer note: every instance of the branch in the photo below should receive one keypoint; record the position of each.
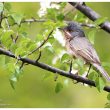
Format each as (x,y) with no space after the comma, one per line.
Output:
(41,43)
(88,25)
(53,69)
(91,14)
(30,21)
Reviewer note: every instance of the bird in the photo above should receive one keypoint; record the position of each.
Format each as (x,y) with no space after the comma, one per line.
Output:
(79,46)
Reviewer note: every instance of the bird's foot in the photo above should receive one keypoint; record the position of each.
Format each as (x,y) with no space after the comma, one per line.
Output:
(70,68)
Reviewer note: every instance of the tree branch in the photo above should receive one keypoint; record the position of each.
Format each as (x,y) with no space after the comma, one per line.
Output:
(45,40)
(91,14)
(30,21)
(53,69)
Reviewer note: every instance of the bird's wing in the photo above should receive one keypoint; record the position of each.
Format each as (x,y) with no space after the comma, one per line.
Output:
(84,49)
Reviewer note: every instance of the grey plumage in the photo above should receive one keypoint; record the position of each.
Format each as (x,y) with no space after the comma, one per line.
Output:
(79,46)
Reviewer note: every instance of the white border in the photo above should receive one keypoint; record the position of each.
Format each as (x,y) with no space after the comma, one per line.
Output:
(55,0)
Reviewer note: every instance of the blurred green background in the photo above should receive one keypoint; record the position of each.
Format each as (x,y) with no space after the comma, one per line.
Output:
(33,91)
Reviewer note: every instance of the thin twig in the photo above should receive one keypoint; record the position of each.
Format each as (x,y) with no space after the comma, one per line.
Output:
(30,21)
(39,56)
(22,64)
(41,43)
(16,38)
(88,25)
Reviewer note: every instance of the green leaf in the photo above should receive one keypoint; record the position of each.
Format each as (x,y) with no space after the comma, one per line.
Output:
(60,17)
(1,7)
(13,81)
(93,75)
(66,82)
(51,40)
(99,83)
(80,62)
(50,49)
(75,66)
(7,6)
(46,76)
(6,35)
(79,17)
(51,13)
(11,67)
(17,17)
(81,71)
(63,4)
(91,35)
(2,60)
(58,87)
(32,47)
(39,37)
(100,20)
(107,105)
(13,47)
(6,38)
(108,96)
(11,20)
(21,51)
(65,58)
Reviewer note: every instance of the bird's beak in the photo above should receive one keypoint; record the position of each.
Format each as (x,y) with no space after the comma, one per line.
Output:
(62,29)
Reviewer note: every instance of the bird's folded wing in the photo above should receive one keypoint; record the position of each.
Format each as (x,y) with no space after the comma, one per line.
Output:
(84,49)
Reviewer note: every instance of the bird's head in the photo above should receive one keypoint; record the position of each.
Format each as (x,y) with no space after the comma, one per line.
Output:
(72,29)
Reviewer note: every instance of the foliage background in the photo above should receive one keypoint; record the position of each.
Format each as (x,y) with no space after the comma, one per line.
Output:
(33,91)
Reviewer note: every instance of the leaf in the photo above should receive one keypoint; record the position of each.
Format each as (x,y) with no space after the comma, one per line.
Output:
(32,47)
(50,48)
(107,105)
(80,62)
(91,35)
(81,71)
(1,7)
(63,4)
(93,75)
(51,13)
(99,83)
(65,57)
(11,67)
(75,66)
(58,87)
(17,17)
(2,60)
(11,20)
(100,20)
(108,96)
(79,17)
(6,38)
(39,37)
(60,17)
(13,81)
(21,51)
(46,76)
(7,6)
(51,40)
(66,82)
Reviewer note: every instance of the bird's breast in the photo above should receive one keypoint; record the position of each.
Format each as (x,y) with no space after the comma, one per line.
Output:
(68,47)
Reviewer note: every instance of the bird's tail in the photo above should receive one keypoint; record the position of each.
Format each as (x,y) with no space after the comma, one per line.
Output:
(102,71)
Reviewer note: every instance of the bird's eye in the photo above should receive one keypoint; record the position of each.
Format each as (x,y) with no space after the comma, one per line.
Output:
(70,30)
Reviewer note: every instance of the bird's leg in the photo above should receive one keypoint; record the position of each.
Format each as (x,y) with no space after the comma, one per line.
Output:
(88,70)
(70,67)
